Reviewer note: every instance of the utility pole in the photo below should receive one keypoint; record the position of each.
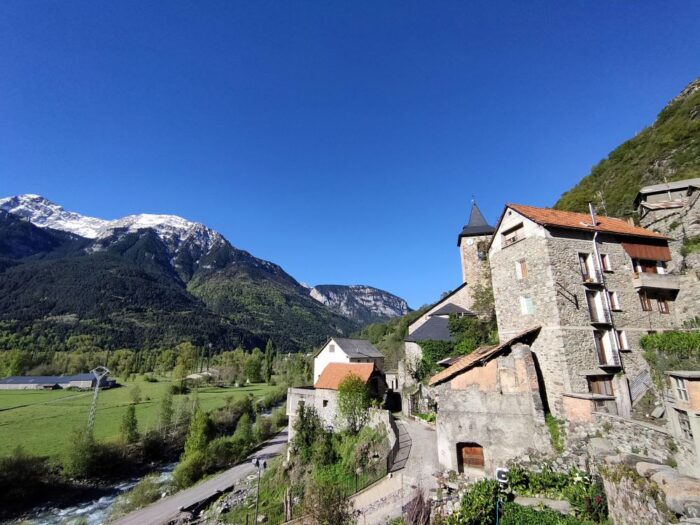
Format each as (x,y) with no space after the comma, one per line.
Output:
(99,372)
(260,465)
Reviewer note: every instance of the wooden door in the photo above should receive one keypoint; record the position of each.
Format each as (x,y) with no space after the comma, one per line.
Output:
(470,455)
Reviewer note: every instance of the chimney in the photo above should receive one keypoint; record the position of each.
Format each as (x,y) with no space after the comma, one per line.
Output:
(591,210)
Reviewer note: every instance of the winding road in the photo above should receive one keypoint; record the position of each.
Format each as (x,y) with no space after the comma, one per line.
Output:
(168,508)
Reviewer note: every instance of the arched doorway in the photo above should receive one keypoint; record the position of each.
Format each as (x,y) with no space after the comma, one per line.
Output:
(469,455)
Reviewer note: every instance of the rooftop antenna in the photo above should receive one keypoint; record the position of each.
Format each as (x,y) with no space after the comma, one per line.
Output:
(99,372)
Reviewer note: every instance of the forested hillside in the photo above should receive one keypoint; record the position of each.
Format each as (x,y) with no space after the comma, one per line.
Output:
(668,150)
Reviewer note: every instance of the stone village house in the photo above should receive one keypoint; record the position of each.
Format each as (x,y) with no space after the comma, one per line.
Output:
(490,409)
(595,285)
(333,362)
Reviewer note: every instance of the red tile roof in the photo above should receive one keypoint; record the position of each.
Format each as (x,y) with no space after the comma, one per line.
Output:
(582,221)
(481,355)
(334,373)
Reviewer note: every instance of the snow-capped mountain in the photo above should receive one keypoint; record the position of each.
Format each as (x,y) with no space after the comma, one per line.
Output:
(363,304)
(148,280)
(43,213)
(179,236)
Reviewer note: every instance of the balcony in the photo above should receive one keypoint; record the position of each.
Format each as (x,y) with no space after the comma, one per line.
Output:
(592,277)
(656,281)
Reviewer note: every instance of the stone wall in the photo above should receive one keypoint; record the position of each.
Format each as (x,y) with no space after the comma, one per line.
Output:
(679,224)
(473,265)
(503,414)
(647,492)
(324,401)
(636,438)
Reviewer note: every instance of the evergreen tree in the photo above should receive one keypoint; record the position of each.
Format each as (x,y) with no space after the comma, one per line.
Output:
(244,429)
(165,417)
(200,433)
(129,427)
(270,353)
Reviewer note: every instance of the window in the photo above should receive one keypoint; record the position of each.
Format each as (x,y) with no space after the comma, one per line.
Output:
(331,348)
(614,301)
(622,343)
(684,423)
(681,388)
(600,385)
(325,403)
(605,263)
(512,235)
(663,305)
(585,267)
(646,302)
(526,306)
(521,269)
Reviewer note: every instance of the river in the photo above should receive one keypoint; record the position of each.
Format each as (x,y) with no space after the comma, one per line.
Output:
(93,512)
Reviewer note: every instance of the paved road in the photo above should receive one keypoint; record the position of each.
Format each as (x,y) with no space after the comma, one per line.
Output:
(415,468)
(168,508)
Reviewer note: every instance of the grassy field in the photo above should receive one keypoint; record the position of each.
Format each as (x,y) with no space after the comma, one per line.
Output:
(43,422)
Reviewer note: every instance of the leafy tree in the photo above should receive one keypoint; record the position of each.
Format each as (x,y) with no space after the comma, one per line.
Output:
(135,394)
(244,429)
(353,402)
(307,427)
(325,503)
(129,427)
(254,365)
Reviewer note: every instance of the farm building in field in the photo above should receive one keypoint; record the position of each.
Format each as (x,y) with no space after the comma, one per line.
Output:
(81,381)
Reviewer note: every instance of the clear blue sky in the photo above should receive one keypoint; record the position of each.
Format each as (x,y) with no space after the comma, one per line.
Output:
(342,140)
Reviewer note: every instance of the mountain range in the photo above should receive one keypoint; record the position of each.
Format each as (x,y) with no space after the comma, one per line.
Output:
(147,281)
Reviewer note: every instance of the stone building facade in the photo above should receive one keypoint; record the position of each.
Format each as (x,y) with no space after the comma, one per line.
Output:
(489,408)
(674,210)
(577,281)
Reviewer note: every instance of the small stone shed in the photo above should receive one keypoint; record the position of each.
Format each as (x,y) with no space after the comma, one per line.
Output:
(490,408)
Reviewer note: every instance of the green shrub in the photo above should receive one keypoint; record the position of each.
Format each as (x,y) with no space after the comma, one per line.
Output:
(514,514)
(190,470)
(144,493)
(671,351)
(554,427)
(477,506)
(690,245)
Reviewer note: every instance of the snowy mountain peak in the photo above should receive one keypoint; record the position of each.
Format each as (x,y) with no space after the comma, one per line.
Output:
(173,230)
(46,214)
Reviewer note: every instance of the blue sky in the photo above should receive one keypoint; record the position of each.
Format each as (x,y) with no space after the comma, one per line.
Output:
(342,140)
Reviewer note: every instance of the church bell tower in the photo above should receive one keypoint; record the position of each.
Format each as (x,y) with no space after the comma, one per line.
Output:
(473,242)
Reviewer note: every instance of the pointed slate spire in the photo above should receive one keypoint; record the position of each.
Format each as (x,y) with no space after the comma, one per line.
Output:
(477,224)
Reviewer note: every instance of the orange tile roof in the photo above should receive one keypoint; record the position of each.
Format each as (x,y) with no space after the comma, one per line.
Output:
(480,355)
(582,221)
(334,373)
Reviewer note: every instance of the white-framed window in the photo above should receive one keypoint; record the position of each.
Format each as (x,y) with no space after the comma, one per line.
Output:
(527,307)
(605,262)
(681,388)
(614,300)
(521,270)
(684,423)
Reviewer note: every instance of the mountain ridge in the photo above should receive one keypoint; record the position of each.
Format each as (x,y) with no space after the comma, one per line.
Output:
(666,151)
(171,269)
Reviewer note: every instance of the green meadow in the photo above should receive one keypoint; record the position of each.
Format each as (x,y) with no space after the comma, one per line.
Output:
(43,422)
